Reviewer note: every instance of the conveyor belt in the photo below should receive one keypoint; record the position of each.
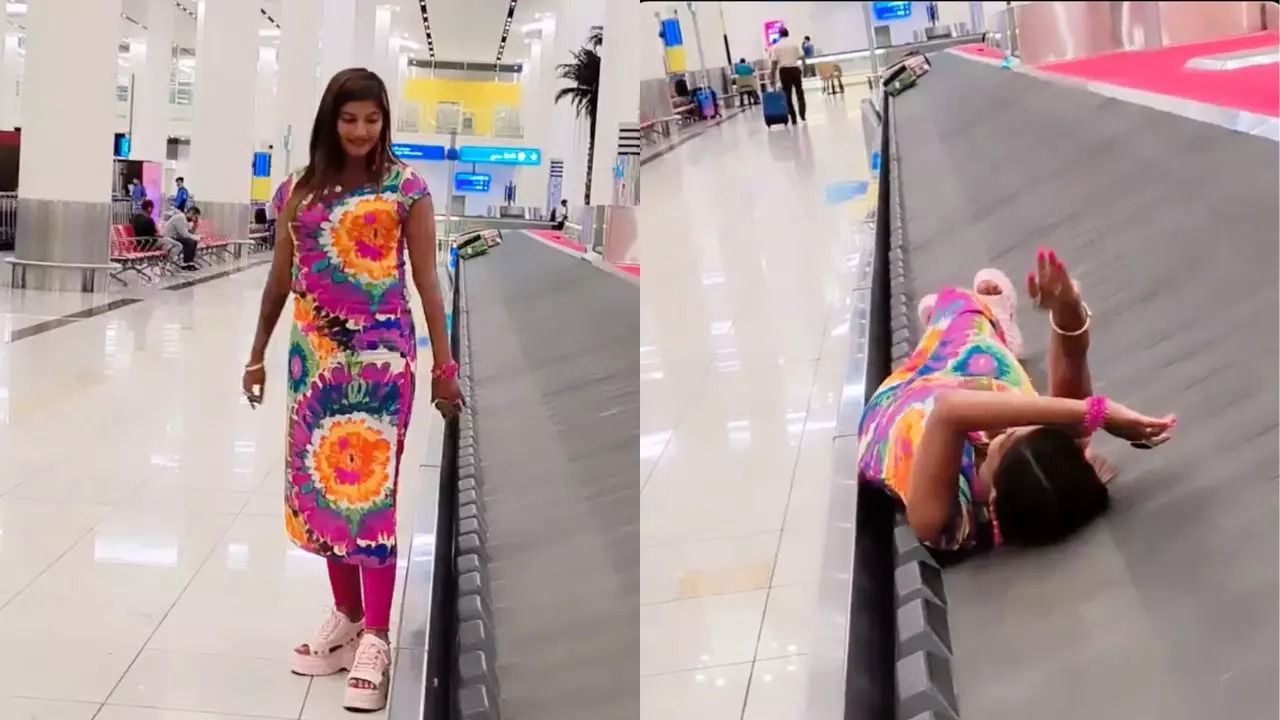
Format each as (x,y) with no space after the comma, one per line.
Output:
(556,376)
(1167,608)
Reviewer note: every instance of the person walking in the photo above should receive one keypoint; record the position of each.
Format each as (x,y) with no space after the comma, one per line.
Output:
(346,223)
(786,56)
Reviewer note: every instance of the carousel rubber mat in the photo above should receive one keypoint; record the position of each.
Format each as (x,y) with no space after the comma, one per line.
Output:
(1167,607)
(557,400)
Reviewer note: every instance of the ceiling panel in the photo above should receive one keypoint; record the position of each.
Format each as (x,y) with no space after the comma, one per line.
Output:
(467,30)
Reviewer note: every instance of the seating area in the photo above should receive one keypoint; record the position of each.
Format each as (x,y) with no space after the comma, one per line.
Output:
(148,258)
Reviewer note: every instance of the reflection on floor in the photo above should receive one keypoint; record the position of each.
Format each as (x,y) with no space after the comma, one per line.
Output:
(143,559)
(744,340)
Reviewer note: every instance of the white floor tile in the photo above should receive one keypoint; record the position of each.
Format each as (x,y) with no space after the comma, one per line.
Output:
(125,712)
(82,674)
(778,689)
(713,567)
(742,361)
(18,708)
(698,633)
(716,693)
(212,683)
(788,621)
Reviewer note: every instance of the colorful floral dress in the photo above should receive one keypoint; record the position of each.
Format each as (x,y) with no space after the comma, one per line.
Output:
(352,355)
(963,347)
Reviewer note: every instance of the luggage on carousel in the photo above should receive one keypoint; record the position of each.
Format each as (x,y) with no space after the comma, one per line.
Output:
(774,105)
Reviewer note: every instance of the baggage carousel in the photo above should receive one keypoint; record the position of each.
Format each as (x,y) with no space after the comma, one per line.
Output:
(1166,608)
(546,555)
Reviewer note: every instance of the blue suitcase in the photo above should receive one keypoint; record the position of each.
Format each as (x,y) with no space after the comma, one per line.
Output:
(774,105)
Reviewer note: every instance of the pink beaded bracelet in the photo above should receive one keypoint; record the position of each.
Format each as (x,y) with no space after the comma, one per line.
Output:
(447,371)
(1095,414)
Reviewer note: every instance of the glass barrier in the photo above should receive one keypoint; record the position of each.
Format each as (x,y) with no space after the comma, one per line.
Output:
(1042,32)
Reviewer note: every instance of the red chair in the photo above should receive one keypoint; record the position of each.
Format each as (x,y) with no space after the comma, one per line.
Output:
(133,254)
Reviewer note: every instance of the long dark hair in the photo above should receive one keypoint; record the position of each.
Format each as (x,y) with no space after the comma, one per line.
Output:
(327,157)
(1046,489)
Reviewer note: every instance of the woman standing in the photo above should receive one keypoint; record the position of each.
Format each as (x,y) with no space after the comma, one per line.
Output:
(345,223)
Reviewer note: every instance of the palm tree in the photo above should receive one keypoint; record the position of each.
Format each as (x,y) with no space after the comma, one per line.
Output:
(582,90)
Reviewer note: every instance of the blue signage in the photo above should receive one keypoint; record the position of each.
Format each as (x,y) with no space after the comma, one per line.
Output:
(500,155)
(262,164)
(891,10)
(122,145)
(407,151)
(464,182)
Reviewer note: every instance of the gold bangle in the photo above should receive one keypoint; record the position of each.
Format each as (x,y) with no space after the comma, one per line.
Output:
(1088,317)
(259,366)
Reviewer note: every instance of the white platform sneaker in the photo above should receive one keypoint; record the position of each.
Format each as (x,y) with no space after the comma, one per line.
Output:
(1004,306)
(372,665)
(333,650)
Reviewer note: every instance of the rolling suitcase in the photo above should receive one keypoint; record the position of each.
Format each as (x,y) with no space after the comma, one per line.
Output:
(774,105)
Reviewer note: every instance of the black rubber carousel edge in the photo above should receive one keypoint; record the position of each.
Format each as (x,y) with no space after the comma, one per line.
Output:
(900,655)
(477,690)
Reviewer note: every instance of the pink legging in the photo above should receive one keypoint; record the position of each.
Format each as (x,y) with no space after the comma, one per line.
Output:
(379,586)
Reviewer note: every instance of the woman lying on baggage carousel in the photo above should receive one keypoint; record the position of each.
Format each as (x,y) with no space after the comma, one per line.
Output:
(959,435)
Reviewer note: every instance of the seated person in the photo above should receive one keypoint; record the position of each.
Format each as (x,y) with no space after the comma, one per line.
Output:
(180,228)
(744,80)
(961,439)
(144,227)
(559,216)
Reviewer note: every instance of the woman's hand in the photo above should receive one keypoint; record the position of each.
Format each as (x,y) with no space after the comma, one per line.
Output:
(254,382)
(1050,286)
(1140,430)
(446,395)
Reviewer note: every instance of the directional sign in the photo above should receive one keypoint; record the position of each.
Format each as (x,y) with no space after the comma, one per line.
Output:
(408,151)
(500,155)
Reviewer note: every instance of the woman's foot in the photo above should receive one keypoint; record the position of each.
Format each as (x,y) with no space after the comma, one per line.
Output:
(997,292)
(370,675)
(332,651)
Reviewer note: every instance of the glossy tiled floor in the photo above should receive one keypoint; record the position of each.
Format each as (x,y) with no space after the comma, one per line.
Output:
(749,240)
(143,561)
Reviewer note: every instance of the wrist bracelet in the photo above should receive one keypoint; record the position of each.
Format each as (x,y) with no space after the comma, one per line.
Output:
(1088,316)
(447,371)
(1095,414)
(259,366)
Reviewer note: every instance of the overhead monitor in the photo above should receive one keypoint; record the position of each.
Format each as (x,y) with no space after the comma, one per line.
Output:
(891,10)
(772,32)
(465,182)
(409,151)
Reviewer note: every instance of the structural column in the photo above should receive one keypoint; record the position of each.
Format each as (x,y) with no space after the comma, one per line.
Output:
(617,132)
(151,58)
(383,55)
(225,88)
(570,136)
(537,89)
(64,180)
(348,36)
(266,87)
(8,91)
(298,86)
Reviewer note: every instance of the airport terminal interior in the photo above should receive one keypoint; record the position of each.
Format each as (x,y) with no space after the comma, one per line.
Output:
(669,307)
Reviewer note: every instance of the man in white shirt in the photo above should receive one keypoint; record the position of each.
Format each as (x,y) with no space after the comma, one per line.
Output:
(787,72)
